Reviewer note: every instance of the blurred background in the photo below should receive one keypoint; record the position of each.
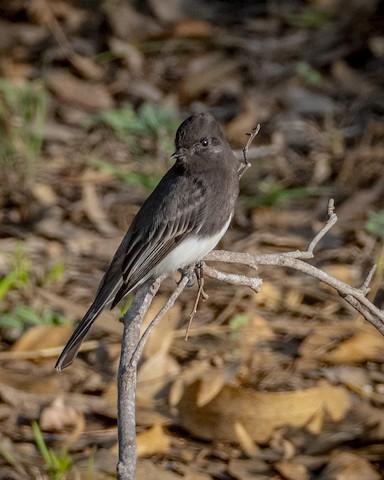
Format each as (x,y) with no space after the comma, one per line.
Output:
(286,384)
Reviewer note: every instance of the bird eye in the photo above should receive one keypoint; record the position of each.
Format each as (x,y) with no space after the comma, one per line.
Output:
(204,142)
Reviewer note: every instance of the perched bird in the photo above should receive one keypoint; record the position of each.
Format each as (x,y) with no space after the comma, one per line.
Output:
(180,222)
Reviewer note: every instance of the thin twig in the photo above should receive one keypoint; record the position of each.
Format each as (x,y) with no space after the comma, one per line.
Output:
(171,301)
(332,219)
(199,270)
(356,297)
(368,279)
(246,164)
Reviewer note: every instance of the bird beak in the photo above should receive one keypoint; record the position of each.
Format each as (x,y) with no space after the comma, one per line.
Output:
(179,153)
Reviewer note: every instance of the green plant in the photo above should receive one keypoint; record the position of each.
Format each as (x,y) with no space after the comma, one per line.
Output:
(272,194)
(53,274)
(56,465)
(149,121)
(308,18)
(308,74)
(22,119)
(146,180)
(375,223)
(19,272)
(23,317)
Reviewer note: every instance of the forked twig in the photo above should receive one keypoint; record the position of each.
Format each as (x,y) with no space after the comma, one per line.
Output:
(246,164)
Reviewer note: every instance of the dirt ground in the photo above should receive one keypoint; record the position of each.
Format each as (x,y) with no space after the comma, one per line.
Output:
(284,384)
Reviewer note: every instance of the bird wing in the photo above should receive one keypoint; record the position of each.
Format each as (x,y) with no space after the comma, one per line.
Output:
(146,243)
(148,249)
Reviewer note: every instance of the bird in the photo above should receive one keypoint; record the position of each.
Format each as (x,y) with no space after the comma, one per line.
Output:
(181,221)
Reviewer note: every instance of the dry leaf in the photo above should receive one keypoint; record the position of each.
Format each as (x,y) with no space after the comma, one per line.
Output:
(245,441)
(153,441)
(87,95)
(261,413)
(203,72)
(162,336)
(94,210)
(249,469)
(156,372)
(292,471)
(211,384)
(347,466)
(42,336)
(269,296)
(192,28)
(364,347)
(147,470)
(59,416)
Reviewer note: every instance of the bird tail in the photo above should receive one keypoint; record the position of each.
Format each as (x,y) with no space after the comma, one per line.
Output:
(71,349)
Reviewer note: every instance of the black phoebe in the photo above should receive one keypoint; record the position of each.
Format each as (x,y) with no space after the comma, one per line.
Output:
(180,222)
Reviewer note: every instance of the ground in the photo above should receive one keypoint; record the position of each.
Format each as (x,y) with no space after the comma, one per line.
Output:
(284,384)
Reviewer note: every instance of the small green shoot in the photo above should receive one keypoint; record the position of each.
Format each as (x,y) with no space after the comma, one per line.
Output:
(56,465)
(239,321)
(375,224)
(308,74)
(22,119)
(273,194)
(146,180)
(19,272)
(23,317)
(311,18)
(148,122)
(53,274)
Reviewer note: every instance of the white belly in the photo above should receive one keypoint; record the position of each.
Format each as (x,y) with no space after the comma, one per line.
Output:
(190,251)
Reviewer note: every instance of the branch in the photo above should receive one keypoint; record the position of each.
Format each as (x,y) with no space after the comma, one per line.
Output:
(127,379)
(246,164)
(356,297)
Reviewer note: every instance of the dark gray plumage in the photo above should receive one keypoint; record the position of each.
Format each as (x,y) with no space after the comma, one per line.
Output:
(180,222)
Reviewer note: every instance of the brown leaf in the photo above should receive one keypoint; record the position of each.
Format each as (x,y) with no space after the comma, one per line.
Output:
(204,71)
(87,95)
(94,210)
(155,373)
(162,336)
(192,28)
(60,416)
(260,413)
(153,441)
(42,336)
(366,346)
(348,466)
(292,471)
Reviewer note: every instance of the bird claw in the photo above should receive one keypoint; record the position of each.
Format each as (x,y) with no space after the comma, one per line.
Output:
(187,272)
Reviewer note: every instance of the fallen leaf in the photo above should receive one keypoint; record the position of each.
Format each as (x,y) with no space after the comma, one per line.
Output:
(87,95)
(42,336)
(59,416)
(364,347)
(162,336)
(348,466)
(292,471)
(154,373)
(153,441)
(261,413)
(245,441)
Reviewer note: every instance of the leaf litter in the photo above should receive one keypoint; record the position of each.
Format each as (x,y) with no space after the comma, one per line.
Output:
(285,384)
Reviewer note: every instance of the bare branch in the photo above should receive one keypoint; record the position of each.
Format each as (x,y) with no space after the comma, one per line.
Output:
(356,297)
(365,286)
(126,379)
(133,346)
(332,219)
(246,164)
(171,301)
(234,279)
